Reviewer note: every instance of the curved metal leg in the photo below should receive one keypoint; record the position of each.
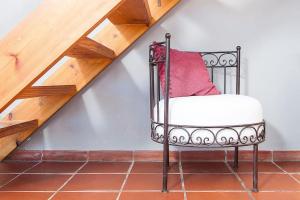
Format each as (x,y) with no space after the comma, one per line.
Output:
(236,158)
(255,168)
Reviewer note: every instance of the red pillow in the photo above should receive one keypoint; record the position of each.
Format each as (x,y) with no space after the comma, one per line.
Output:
(188,74)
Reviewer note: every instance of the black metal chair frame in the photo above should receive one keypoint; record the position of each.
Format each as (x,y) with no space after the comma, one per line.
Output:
(213,60)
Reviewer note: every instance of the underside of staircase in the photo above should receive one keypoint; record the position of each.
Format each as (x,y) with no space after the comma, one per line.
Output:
(56,30)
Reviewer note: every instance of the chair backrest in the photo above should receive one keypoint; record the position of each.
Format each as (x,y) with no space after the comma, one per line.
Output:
(214,61)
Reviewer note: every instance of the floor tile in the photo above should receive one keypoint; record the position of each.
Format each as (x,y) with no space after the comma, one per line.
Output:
(247,155)
(15,167)
(286,155)
(85,196)
(290,166)
(110,155)
(153,167)
(25,195)
(36,182)
(56,167)
(84,182)
(204,167)
(218,196)
(211,182)
(65,155)
(151,196)
(25,155)
(151,182)
(105,167)
(4,178)
(262,167)
(276,195)
(202,155)
(151,156)
(270,182)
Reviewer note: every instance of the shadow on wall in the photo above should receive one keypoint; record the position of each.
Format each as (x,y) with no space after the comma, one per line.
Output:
(112,110)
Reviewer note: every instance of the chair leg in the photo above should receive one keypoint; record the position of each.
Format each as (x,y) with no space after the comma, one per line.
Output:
(165,165)
(255,168)
(236,158)
(168,157)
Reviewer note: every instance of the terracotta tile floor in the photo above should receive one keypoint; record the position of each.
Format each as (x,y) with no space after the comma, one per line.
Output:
(142,181)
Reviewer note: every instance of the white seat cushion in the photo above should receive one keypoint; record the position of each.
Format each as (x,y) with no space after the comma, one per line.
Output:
(214,110)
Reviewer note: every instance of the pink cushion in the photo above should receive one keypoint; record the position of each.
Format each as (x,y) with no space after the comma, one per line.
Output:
(188,74)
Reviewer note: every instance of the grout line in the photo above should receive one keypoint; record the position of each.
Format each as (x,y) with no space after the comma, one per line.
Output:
(204,161)
(241,191)
(285,172)
(216,191)
(90,191)
(66,161)
(154,191)
(182,178)
(154,173)
(91,173)
(19,174)
(241,181)
(25,191)
(125,180)
(67,181)
(261,173)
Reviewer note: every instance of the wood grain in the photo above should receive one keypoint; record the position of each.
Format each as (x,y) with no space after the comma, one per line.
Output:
(80,72)
(40,91)
(14,127)
(132,12)
(88,48)
(42,39)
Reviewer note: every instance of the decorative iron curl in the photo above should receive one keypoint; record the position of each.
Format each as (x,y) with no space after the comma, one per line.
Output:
(213,136)
(219,59)
(182,139)
(206,140)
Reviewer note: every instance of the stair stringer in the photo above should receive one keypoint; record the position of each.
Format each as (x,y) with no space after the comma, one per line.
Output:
(79,72)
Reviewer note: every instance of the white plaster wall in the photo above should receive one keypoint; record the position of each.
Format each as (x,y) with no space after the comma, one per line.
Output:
(112,113)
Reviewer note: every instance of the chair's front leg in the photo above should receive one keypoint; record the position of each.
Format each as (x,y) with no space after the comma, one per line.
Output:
(165,164)
(255,168)
(236,158)
(168,156)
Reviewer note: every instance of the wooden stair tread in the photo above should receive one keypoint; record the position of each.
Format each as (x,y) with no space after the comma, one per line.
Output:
(131,12)
(8,128)
(53,27)
(39,91)
(88,48)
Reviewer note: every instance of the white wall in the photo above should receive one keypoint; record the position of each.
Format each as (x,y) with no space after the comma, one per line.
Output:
(112,113)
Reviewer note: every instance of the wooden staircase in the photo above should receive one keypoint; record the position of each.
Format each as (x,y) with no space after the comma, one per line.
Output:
(58,29)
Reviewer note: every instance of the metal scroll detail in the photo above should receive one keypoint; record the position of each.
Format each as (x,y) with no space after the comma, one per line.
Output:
(218,136)
(220,59)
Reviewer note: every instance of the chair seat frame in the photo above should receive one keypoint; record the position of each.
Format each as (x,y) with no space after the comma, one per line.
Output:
(214,61)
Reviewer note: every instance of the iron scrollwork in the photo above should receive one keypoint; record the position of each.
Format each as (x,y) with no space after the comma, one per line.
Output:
(220,59)
(218,136)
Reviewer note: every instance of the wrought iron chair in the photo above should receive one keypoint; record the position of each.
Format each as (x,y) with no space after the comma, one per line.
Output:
(199,135)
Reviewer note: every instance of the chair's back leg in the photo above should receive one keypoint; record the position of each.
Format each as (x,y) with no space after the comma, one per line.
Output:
(255,168)
(236,158)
